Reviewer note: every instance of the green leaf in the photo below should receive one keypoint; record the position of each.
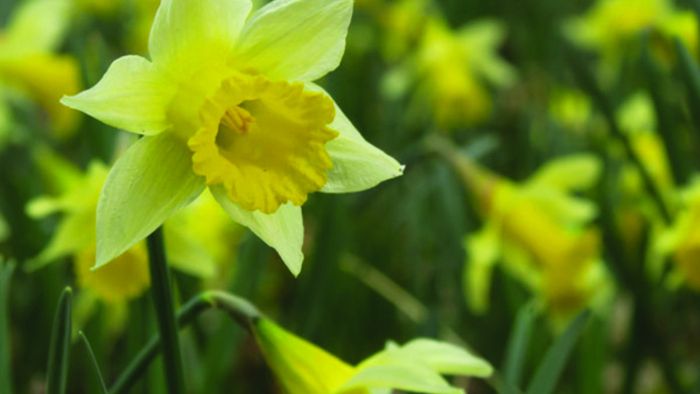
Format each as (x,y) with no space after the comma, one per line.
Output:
(6,270)
(93,361)
(59,349)
(554,361)
(691,79)
(516,351)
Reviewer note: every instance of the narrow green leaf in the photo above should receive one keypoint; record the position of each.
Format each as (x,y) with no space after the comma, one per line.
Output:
(93,361)
(516,351)
(554,361)
(59,350)
(6,270)
(691,80)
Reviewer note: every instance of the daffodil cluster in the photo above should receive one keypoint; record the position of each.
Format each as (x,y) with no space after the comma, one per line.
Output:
(417,366)
(227,102)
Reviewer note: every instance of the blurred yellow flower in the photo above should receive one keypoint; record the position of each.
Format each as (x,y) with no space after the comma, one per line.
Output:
(303,368)
(681,241)
(227,102)
(452,72)
(29,64)
(198,238)
(540,231)
(611,25)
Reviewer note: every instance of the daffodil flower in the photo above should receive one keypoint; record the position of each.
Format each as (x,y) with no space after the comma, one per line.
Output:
(227,102)
(190,249)
(542,234)
(303,368)
(30,66)
(681,240)
(452,72)
(610,25)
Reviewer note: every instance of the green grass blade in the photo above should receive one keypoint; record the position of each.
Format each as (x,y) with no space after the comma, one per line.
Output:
(551,367)
(518,344)
(93,361)
(6,270)
(59,351)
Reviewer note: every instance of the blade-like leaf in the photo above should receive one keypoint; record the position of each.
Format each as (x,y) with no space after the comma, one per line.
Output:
(93,361)
(554,361)
(6,270)
(59,350)
(518,344)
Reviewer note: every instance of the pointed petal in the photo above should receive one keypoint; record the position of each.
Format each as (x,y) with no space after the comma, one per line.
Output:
(147,185)
(188,34)
(47,78)
(300,366)
(132,95)
(37,26)
(446,358)
(295,39)
(401,375)
(574,172)
(357,164)
(70,237)
(282,230)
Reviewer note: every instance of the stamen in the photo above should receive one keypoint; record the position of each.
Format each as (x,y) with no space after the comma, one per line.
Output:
(238,120)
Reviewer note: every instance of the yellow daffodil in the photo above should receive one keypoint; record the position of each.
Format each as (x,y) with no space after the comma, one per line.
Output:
(227,102)
(452,71)
(681,241)
(191,246)
(539,230)
(303,368)
(401,23)
(611,25)
(29,64)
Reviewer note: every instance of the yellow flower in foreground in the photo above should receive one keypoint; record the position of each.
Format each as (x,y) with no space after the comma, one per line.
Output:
(29,65)
(227,102)
(303,368)
(541,232)
(453,71)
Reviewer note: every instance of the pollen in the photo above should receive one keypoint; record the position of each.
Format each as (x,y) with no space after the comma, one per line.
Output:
(264,141)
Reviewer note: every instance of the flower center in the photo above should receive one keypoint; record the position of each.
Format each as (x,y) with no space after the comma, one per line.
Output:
(264,142)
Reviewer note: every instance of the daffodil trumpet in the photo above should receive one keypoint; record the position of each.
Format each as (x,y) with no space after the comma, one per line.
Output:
(227,101)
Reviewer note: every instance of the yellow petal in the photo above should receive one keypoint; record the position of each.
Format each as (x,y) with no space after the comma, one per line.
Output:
(300,366)
(46,78)
(264,142)
(188,35)
(299,40)
(126,278)
(282,230)
(133,95)
(36,27)
(147,185)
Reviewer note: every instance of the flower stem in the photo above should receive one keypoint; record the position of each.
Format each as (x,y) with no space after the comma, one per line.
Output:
(244,313)
(165,313)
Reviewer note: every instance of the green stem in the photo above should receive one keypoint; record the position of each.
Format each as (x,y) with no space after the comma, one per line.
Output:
(244,313)
(165,313)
